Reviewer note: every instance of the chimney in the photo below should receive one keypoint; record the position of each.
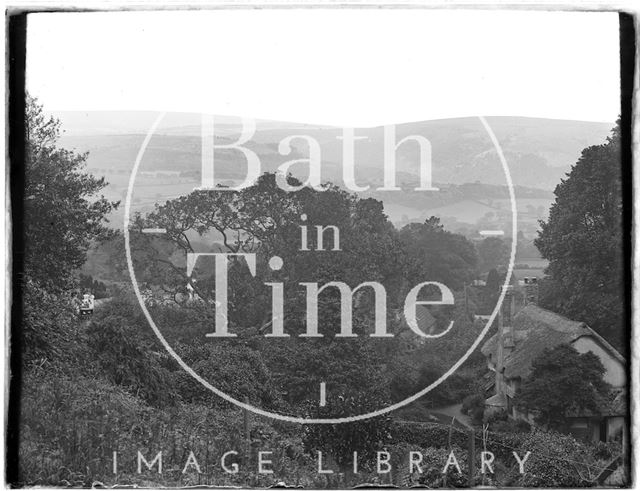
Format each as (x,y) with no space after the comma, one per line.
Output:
(531,291)
(499,354)
(508,307)
(505,339)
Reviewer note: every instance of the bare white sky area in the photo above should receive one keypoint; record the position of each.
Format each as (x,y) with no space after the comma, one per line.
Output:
(343,67)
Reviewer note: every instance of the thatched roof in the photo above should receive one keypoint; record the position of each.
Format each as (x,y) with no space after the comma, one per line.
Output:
(536,329)
(425,320)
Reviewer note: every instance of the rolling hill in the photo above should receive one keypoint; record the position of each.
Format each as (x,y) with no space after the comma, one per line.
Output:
(539,152)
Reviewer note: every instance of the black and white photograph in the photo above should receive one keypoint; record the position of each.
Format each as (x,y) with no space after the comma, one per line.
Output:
(324,246)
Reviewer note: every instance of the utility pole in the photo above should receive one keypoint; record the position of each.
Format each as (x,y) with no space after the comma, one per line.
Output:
(466,300)
(247,432)
(471,455)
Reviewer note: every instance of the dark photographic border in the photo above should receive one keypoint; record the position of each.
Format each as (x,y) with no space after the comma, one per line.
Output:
(16,21)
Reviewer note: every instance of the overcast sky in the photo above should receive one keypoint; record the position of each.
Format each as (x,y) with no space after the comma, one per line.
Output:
(338,67)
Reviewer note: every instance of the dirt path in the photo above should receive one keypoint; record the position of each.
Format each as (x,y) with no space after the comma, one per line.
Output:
(454,410)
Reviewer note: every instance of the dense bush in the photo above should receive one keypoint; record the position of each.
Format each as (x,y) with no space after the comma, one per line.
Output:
(473,406)
(497,415)
(71,425)
(51,332)
(97,288)
(428,434)
(562,380)
(432,465)
(448,392)
(233,368)
(130,359)
(340,440)
(510,426)
(556,460)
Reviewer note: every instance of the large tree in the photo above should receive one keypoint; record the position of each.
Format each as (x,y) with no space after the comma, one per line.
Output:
(433,254)
(63,211)
(562,380)
(583,242)
(367,437)
(62,215)
(493,253)
(267,221)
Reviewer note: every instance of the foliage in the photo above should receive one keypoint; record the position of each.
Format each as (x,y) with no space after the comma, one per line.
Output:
(62,215)
(450,391)
(494,282)
(72,424)
(436,459)
(583,242)
(426,364)
(62,211)
(497,415)
(130,360)
(510,426)
(265,220)
(432,252)
(97,288)
(491,291)
(50,329)
(556,460)
(473,405)
(428,434)
(107,260)
(91,387)
(431,466)
(235,369)
(493,253)
(130,356)
(343,366)
(340,440)
(562,380)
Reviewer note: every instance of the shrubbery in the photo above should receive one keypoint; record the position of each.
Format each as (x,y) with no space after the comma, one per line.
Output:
(510,426)
(50,331)
(97,288)
(556,460)
(433,462)
(473,406)
(427,434)
(72,424)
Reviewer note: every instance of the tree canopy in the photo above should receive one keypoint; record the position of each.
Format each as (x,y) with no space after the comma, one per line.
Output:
(63,212)
(583,241)
(562,380)
(267,221)
(493,253)
(433,253)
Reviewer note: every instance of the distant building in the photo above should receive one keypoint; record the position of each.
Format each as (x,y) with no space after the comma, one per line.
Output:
(521,339)
(160,173)
(426,323)
(526,276)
